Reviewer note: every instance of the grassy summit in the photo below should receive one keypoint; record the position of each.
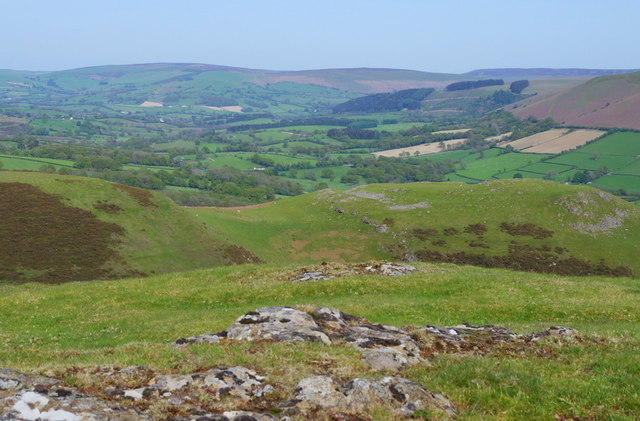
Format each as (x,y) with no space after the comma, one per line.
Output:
(81,329)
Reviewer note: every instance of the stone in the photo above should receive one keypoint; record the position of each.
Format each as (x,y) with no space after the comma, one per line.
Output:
(383,347)
(311,276)
(554,331)
(390,269)
(236,382)
(272,323)
(207,337)
(30,398)
(359,395)
(319,391)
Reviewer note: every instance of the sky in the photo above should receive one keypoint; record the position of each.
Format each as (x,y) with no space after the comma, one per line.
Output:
(452,36)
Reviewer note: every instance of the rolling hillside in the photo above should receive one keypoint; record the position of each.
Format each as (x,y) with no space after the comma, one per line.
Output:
(174,84)
(56,228)
(549,228)
(607,101)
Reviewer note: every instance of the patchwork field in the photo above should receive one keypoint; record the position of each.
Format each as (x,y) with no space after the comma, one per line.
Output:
(566,142)
(425,149)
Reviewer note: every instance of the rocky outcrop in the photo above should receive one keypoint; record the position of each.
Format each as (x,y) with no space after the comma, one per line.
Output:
(383,347)
(31,398)
(336,270)
(268,323)
(361,394)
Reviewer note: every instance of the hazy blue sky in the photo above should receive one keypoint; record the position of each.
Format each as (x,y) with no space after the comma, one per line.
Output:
(440,36)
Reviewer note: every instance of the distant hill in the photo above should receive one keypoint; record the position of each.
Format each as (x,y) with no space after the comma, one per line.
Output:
(56,228)
(606,101)
(550,227)
(105,89)
(545,73)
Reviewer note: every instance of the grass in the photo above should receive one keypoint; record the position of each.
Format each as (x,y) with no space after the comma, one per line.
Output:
(486,168)
(631,183)
(50,329)
(309,229)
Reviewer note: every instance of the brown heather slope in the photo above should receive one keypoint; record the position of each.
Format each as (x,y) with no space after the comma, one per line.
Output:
(608,101)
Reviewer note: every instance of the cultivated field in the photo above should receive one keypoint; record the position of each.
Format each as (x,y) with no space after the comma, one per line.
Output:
(537,139)
(151,104)
(555,140)
(455,131)
(499,137)
(567,142)
(424,149)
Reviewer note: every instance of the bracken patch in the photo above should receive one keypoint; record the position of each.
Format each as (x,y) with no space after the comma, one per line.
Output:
(143,197)
(527,229)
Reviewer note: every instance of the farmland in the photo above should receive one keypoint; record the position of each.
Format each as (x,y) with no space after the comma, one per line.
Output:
(555,141)
(425,149)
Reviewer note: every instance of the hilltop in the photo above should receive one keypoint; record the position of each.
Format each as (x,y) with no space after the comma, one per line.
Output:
(114,341)
(531,225)
(56,228)
(606,101)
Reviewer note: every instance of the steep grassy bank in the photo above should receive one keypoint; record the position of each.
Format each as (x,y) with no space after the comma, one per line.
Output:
(56,228)
(69,330)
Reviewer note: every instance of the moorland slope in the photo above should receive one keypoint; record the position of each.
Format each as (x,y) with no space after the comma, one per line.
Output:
(56,228)
(607,101)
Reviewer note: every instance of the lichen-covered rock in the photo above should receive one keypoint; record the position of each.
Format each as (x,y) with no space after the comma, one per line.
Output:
(272,323)
(383,347)
(463,332)
(390,269)
(31,398)
(359,395)
(319,391)
(236,416)
(207,337)
(235,382)
(405,396)
(554,331)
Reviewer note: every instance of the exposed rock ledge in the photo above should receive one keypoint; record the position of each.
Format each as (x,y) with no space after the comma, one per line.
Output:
(383,347)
